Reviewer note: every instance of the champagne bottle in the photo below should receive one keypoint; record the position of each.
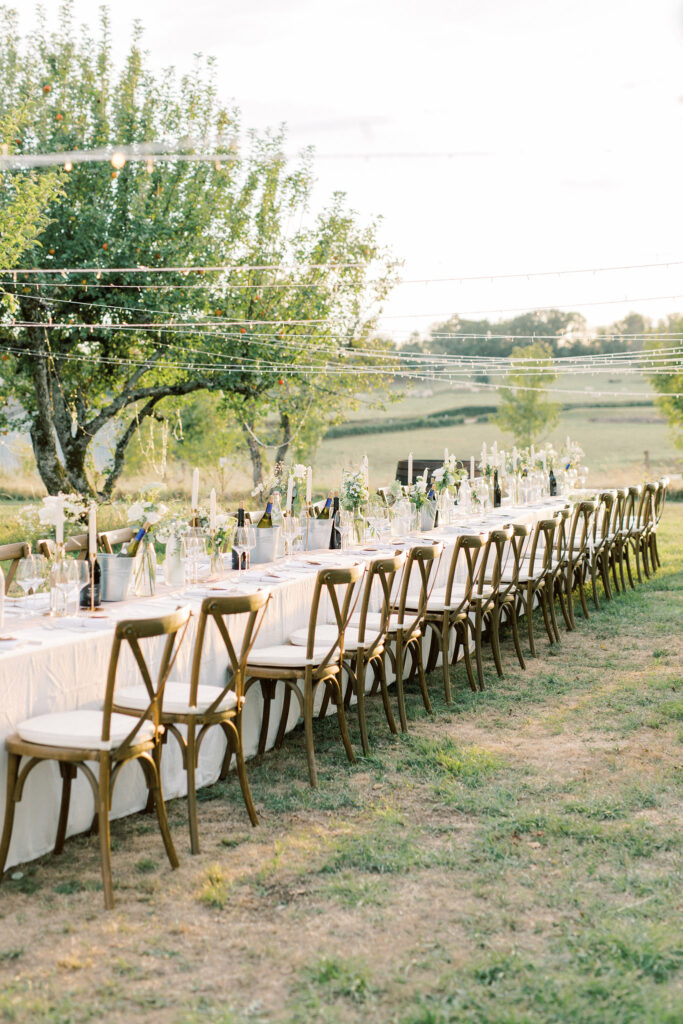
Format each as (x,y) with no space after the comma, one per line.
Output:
(553,483)
(497,496)
(432,497)
(239,561)
(134,544)
(266,520)
(335,535)
(324,512)
(93,586)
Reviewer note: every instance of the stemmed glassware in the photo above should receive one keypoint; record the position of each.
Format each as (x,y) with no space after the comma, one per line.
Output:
(244,543)
(343,521)
(81,578)
(291,531)
(31,574)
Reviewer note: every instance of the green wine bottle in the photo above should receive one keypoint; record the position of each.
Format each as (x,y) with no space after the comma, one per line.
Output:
(134,544)
(266,520)
(324,512)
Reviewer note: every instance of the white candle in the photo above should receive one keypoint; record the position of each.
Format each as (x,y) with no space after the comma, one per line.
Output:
(514,460)
(483,457)
(309,485)
(494,447)
(533,456)
(92,531)
(410,468)
(195,488)
(366,469)
(471,467)
(59,522)
(567,442)
(445,455)
(212,511)
(290,494)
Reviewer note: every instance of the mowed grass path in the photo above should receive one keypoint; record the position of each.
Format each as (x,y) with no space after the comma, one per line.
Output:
(515,859)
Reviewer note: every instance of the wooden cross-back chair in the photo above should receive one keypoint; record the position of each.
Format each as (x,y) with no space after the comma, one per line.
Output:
(74,738)
(616,561)
(407,621)
(77,544)
(535,577)
(564,517)
(198,707)
(578,553)
(13,553)
(637,524)
(365,640)
(449,608)
(509,545)
(599,545)
(304,668)
(648,525)
(109,540)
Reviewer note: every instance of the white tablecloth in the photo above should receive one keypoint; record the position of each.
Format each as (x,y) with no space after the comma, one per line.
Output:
(59,665)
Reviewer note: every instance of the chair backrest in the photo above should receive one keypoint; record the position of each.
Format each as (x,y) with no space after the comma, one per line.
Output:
(425,559)
(13,553)
(580,531)
(251,608)
(506,546)
(563,517)
(130,632)
(637,494)
(472,549)
(660,497)
(110,539)
(648,504)
(78,543)
(326,584)
(620,510)
(542,545)
(382,573)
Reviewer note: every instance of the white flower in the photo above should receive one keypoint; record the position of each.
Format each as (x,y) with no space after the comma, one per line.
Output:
(299,471)
(136,512)
(49,513)
(438,473)
(154,515)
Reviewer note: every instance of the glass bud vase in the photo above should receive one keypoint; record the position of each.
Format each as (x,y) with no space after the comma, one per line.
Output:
(146,569)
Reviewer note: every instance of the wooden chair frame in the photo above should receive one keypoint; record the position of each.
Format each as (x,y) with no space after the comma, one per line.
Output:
(659,502)
(109,761)
(198,723)
(13,553)
(575,568)
(508,601)
(536,585)
(326,672)
(78,543)
(110,539)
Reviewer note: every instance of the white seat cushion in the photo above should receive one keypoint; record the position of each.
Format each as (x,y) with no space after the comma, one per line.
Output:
(327,634)
(176,698)
(286,656)
(374,622)
(437,598)
(81,729)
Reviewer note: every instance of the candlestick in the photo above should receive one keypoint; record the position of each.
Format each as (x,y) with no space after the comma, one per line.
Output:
(410,468)
(195,489)
(471,467)
(309,485)
(92,531)
(290,494)
(445,455)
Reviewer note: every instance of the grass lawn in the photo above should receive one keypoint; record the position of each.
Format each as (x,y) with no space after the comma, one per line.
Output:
(515,859)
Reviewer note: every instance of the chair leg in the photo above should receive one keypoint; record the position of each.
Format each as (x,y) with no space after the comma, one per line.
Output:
(162,818)
(308,731)
(563,603)
(495,639)
(569,594)
(544,609)
(385,696)
(468,657)
(417,651)
(284,716)
(68,773)
(242,772)
(358,677)
(636,551)
(551,609)
(191,772)
(515,636)
(646,561)
(400,695)
(103,800)
(338,697)
(582,595)
(604,576)
(12,772)
(227,757)
(268,692)
(620,555)
(444,640)
(478,643)
(594,581)
(627,560)
(529,606)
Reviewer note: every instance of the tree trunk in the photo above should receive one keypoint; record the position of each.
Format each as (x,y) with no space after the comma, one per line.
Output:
(283,447)
(255,454)
(43,438)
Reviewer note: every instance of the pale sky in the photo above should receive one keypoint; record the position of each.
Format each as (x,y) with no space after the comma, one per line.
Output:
(563,118)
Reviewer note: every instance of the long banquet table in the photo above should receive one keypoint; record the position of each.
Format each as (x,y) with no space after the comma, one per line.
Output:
(61,664)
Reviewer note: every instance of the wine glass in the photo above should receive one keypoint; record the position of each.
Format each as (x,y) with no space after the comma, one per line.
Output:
(291,531)
(30,574)
(81,574)
(243,544)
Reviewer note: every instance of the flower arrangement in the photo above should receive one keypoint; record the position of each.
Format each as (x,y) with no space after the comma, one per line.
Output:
(148,511)
(396,491)
(448,475)
(72,507)
(572,455)
(354,491)
(417,492)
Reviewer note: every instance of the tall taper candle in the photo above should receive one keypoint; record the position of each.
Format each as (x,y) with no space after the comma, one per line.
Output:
(290,494)
(195,489)
(410,468)
(92,531)
(59,522)
(309,485)
(471,467)
(445,455)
